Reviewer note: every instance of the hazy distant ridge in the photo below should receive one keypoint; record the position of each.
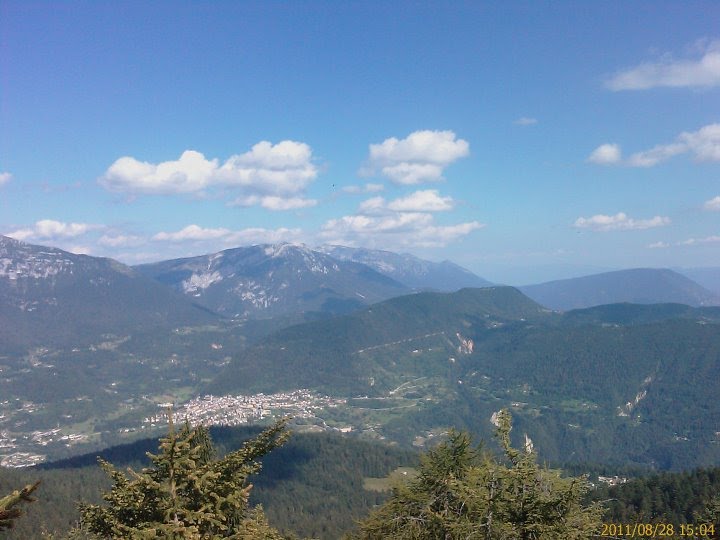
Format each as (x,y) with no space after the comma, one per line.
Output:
(638,286)
(409,270)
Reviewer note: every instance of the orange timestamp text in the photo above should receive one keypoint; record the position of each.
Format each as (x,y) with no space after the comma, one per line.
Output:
(658,530)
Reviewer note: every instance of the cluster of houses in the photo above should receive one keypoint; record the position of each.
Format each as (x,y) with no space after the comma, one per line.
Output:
(212,410)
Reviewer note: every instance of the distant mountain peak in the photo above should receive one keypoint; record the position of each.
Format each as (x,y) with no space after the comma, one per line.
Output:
(283,248)
(19,260)
(408,269)
(9,241)
(269,280)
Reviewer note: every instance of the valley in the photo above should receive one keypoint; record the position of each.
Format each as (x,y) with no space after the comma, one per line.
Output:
(367,375)
(586,385)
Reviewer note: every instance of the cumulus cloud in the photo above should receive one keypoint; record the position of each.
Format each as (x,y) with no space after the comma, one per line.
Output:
(655,155)
(51,229)
(400,223)
(619,222)
(5,177)
(701,241)
(373,205)
(255,235)
(367,188)
(670,72)
(273,202)
(606,154)
(283,169)
(422,201)
(191,233)
(713,204)
(525,121)
(400,230)
(658,245)
(120,240)
(420,157)
(703,145)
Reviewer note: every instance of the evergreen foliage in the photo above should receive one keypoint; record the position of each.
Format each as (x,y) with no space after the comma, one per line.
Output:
(187,493)
(685,497)
(8,505)
(711,513)
(462,492)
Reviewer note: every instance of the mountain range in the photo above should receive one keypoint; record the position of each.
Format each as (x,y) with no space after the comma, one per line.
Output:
(273,280)
(415,273)
(637,286)
(587,385)
(90,342)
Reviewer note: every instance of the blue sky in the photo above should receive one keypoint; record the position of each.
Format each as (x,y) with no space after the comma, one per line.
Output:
(523,140)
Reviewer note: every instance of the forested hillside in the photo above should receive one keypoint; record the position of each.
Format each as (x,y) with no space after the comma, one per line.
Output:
(320,485)
(313,485)
(587,385)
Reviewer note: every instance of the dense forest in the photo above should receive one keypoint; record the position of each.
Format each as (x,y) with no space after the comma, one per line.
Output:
(325,486)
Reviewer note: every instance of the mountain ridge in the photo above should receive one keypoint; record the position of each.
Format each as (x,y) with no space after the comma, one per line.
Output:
(51,296)
(267,280)
(416,273)
(635,285)
(591,384)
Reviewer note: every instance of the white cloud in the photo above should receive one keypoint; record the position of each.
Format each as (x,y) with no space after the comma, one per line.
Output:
(80,250)
(619,222)
(420,157)
(282,169)
(413,173)
(192,233)
(655,155)
(278,203)
(258,235)
(367,188)
(401,223)
(227,237)
(658,245)
(372,205)
(700,241)
(191,173)
(703,144)
(5,177)
(669,72)
(525,121)
(713,204)
(400,230)
(272,202)
(606,154)
(51,229)
(120,240)
(422,201)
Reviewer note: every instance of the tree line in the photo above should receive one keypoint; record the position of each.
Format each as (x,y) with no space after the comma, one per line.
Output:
(189,491)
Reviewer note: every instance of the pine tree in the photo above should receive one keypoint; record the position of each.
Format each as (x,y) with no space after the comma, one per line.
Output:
(8,505)
(187,492)
(711,515)
(463,492)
